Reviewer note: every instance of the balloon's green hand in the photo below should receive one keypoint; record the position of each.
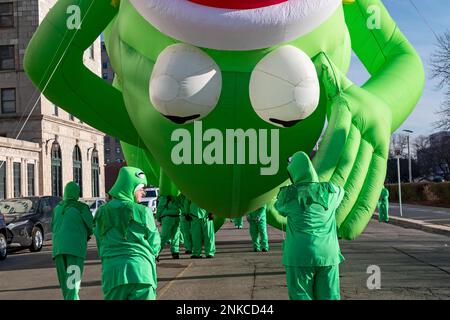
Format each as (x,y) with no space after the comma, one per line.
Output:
(355,148)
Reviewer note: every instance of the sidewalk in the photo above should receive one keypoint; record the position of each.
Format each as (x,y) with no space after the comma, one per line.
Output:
(429,219)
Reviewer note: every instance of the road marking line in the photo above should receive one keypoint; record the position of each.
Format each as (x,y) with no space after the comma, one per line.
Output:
(168,285)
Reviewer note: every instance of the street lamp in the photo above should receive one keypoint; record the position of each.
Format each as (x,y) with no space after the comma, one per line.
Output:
(409,155)
(398,153)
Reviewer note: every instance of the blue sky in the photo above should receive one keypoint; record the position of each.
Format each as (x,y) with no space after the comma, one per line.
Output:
(436,12)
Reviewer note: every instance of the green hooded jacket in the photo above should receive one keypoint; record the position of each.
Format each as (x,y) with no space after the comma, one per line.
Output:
(127,238)
(71,224)
(166,207)
(196,212)
(384,196)
(310,207)
(258,215)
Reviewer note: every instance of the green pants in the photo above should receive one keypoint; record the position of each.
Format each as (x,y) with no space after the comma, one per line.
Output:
(202,232)
(383,212)
(238,222)
(258,229)
(313,283)
(185,227)
(70,271)
(181,234)
(170,233)
(133,291)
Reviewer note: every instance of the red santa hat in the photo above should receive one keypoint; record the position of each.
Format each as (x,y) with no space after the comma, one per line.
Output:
(238,4)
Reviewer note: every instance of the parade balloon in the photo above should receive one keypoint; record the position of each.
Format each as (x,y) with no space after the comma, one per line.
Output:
(212,97)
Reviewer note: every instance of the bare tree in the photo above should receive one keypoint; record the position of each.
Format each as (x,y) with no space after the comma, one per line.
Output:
(440,68)
(444,114)
(398,142)
(421,143)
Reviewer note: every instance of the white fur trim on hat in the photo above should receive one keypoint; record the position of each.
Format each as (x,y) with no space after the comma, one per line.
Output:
(233,29)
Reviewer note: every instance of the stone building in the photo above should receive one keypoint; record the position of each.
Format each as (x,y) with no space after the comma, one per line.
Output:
(19,163)
(68,149)
(113,150)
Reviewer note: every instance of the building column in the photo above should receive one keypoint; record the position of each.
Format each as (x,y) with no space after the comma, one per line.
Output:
(9,180)
(24,178)
(36,178)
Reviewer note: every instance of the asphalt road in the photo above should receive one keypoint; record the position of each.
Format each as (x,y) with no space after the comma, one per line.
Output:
(434,215)
(413,265)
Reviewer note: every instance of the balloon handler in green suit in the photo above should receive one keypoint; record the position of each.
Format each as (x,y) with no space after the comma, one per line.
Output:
(72,228)
(238,222)
(311,253)
(383,206)
(202,231)
(258,228)
(128,240)
(168,214)
(185,223)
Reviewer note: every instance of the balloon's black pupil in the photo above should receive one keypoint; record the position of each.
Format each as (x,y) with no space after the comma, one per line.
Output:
(182,120)
(285,124)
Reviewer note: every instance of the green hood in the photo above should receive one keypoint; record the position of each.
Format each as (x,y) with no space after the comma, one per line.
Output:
(306,189)
(301,170)
(127,181)
(71,191)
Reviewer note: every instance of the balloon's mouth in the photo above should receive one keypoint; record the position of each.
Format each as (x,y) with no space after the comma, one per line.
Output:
(236,25)
(238,4)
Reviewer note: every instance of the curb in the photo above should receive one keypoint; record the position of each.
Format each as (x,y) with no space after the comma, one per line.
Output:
(417,224)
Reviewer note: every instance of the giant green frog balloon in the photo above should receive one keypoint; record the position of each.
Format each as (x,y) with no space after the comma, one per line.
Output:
(212,97)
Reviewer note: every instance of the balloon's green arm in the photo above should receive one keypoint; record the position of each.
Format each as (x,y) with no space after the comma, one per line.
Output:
(397,74)
(54,63)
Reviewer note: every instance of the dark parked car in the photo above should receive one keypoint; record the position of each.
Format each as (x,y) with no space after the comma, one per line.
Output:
(28,220)
(3,241)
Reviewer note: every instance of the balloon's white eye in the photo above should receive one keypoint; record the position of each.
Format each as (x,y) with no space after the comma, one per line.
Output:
(185,84)
(284,88)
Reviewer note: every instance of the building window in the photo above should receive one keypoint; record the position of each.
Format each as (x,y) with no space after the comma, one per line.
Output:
(56,170)
(6,15)
(77,168)
(55,110)
(8,100)
(95,171)
(30,175)
(118,151)
(17,179)
(7,60)
(107,140)
(91,52)
(2,179)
